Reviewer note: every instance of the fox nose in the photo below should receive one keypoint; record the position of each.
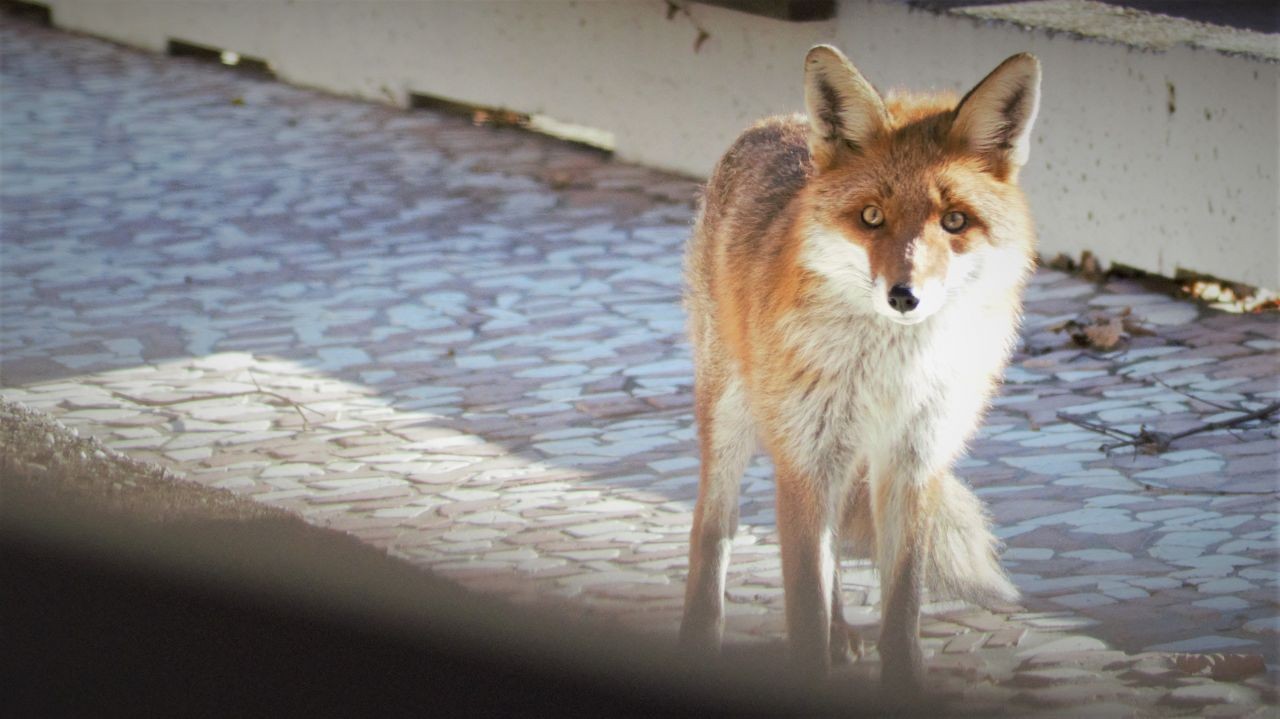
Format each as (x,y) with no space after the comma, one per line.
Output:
(902,299)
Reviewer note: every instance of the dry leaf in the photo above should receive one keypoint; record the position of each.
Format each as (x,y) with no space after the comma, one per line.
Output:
(1062,263)
(1222,667)
(1105,336)
(1089,265)
(559,179)
(1099,331)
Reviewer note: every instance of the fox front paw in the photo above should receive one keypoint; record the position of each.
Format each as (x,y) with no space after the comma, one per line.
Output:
(901,670)
(699,639)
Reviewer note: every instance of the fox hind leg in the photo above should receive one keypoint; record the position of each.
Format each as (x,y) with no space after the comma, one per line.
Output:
(857,540)
(726,436)
(846,643)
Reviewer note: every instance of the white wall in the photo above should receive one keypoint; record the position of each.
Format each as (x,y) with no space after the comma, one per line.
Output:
(1112,170)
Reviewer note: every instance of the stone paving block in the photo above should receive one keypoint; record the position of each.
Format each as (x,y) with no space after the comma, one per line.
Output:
(940,629)
(965,643)
(1205,643)
(1035,678)
(1077,695)
(1063,645)
(1201,695)
(1006,638)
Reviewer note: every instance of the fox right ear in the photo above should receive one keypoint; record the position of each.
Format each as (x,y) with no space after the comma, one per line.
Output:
(845,112)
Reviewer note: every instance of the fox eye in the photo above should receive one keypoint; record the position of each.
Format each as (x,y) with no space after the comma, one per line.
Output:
(954,221)
(872,216)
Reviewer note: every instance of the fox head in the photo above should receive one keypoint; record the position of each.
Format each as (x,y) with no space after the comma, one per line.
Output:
(914,200)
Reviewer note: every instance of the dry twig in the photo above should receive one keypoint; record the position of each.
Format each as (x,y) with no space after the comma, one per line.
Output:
(1201,400)
(226,395)
(1152,442)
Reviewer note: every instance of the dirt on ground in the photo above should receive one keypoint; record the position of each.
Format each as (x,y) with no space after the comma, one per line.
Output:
(42,461)
(48,470)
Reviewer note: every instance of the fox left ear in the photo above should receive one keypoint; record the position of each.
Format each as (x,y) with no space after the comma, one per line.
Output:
(995,118)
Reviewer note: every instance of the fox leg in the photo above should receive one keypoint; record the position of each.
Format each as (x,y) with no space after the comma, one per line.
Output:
(808,569)
(726,436)
(902,663)
(902,532)
(846,643)
(856,538)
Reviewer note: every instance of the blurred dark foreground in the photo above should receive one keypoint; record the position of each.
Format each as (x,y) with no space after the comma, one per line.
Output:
(229,611)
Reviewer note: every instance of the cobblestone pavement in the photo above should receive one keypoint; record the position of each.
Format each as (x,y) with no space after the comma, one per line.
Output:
(465,345)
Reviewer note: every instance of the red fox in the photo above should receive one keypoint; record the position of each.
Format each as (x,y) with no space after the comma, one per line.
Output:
(854,286)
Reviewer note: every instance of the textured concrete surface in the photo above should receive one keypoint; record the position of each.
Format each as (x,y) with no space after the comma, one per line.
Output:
(465,346)
(1147,30)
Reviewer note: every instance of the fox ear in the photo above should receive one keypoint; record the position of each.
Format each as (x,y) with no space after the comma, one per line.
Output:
(995,118)
(845,112)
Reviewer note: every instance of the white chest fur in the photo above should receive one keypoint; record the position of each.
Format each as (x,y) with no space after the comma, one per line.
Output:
(872,393)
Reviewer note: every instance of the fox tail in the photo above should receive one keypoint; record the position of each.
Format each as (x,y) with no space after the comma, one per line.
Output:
(962,560)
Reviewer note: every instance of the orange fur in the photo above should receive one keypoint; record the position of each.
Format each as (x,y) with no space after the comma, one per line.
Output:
(860,353)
